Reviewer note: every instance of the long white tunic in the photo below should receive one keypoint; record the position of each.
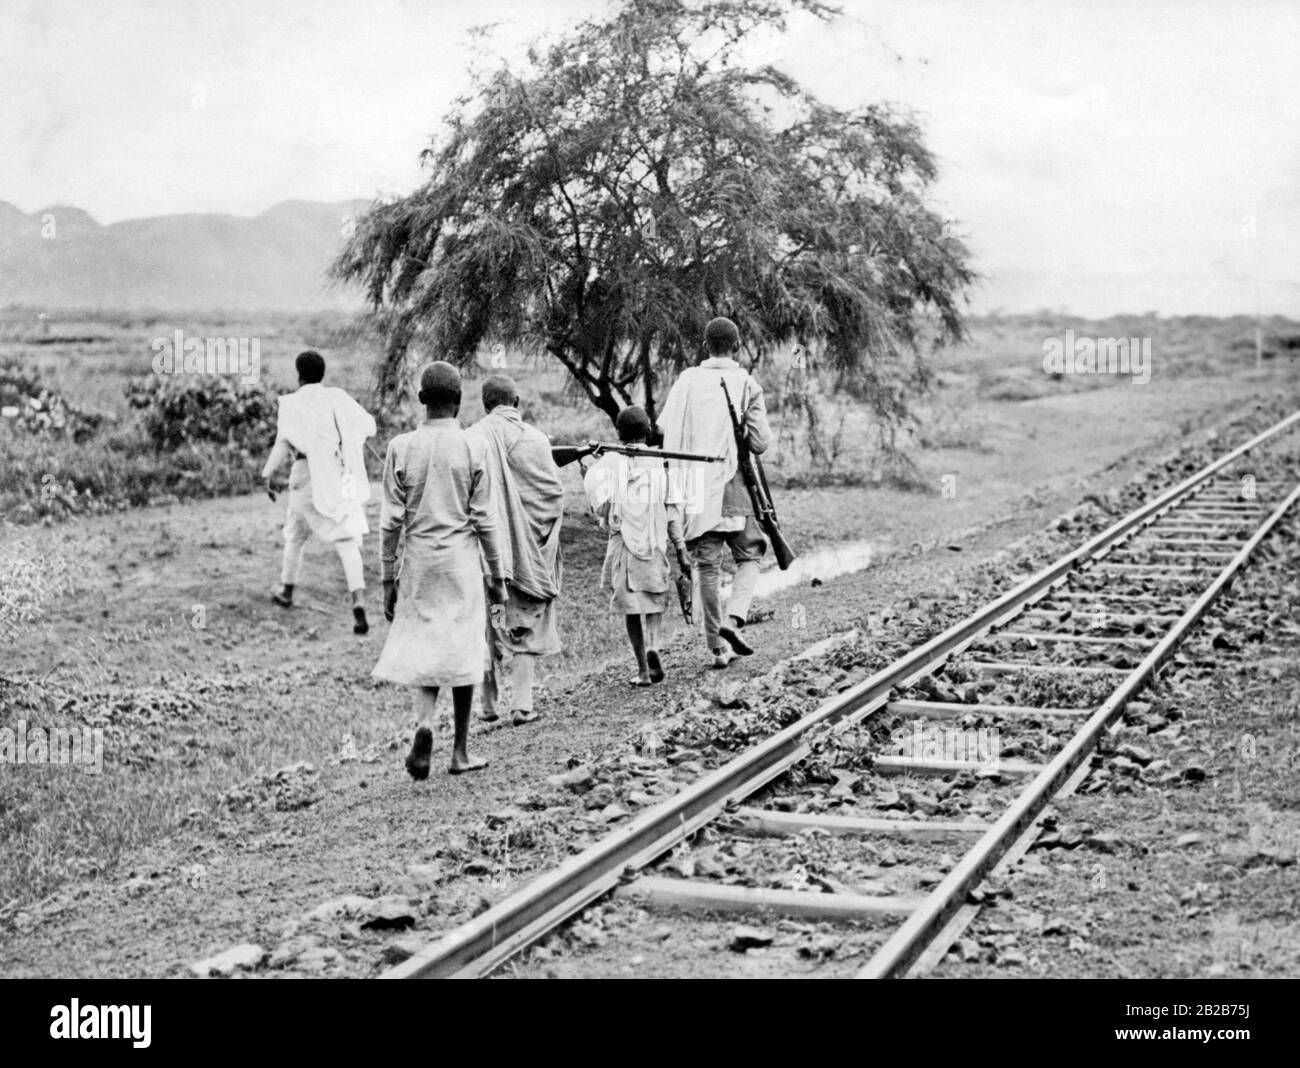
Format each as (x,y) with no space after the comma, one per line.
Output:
(528,504)
(437,504)
(695,419)
(639,502)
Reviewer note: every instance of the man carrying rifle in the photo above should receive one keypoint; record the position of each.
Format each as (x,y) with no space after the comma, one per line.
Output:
(639,503)
(718,508)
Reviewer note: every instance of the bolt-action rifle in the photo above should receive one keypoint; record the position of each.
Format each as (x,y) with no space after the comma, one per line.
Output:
(563,455)
(760,497)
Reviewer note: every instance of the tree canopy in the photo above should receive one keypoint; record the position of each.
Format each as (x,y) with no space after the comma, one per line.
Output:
(633,179)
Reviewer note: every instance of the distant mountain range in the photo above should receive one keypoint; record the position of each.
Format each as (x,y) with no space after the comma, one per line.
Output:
(277,261)
(61,257)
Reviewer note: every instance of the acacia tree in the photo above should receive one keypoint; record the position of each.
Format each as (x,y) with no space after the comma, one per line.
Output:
(632,180)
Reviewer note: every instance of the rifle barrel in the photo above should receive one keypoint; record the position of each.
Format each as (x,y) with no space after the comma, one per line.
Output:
(688,456)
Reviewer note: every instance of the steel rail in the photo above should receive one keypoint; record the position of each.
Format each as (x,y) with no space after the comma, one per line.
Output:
(907,944)
(477,947)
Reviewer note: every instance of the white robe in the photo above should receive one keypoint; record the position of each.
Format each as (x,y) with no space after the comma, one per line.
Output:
(528,508)
(330,429)
(695,419)
(640,503)
(437,507)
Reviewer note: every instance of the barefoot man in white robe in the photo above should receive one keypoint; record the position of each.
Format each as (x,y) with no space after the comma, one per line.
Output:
(437,505)
(528,501)
(324,431)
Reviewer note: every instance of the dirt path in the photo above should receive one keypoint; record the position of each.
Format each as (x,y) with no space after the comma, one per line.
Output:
(276,688)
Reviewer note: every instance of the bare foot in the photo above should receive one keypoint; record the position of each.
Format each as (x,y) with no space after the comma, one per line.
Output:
(656,665)
(417,761)
(459,766)
(489,716)
(521,717)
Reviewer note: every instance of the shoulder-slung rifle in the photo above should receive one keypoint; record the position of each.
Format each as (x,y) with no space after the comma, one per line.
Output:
(760,497)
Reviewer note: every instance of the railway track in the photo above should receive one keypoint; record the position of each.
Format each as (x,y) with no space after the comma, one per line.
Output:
(1044,671)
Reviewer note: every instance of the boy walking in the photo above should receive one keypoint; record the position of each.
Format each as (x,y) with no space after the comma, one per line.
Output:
(437,506)
(640,503)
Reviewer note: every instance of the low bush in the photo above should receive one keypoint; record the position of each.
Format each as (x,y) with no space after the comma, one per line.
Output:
(46,479)
(177,412)
(200,439)
(30,407)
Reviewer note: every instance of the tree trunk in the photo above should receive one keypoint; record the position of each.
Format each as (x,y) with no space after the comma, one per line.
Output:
(647,376)
(595,387)
(608,404)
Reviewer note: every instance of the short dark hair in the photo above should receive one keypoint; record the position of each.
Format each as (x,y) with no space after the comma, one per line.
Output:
(499,389)
(632,424)
(439,385)
(721,335)
(311,366)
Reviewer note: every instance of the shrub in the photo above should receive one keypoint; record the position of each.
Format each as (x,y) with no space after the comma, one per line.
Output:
(181,411)
(44,479)
(32,408)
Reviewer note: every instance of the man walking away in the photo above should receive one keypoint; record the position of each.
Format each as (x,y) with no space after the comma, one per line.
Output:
(718,509)
(639,502)
(528,504)
(437,505)
(324,431)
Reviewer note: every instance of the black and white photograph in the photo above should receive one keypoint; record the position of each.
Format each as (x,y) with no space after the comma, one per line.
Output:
(650,489)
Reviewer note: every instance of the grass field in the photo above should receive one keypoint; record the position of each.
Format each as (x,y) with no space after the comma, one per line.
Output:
(90,357)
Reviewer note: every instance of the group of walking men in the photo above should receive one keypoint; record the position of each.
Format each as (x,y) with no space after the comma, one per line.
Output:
(470,524)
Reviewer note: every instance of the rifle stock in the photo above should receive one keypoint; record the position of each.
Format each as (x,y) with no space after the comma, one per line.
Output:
(563,455)
(780,547)
(760,497)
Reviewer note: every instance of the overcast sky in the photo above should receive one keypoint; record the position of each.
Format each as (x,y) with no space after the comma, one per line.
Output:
(1101,156)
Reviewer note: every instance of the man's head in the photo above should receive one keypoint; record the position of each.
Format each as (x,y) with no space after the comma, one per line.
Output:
(311,367)
(498,390)
(440,390)
(721,337)
(633,425)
